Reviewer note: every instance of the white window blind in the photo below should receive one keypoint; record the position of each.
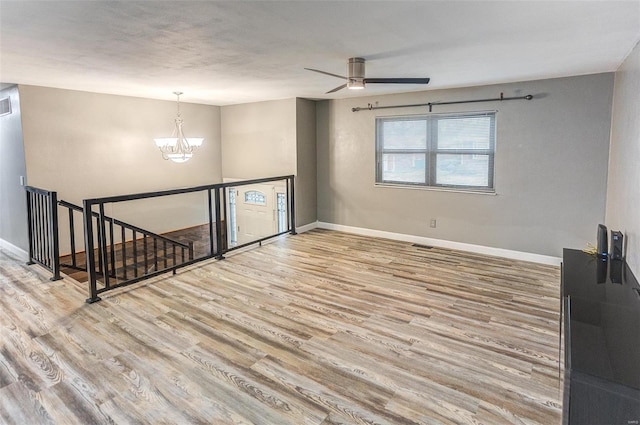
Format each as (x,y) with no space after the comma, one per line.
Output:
(450,151)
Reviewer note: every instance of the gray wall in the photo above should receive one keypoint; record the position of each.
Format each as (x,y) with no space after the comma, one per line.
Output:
(86,145)
(306,170)
(623,191)
(550,168)
(274,138)
(259,139)
(13,210)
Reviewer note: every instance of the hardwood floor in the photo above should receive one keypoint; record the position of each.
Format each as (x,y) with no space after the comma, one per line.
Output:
(319,328)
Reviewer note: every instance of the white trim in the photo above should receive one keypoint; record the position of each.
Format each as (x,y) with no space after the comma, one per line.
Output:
(435,188)
(307,227)
(22,254)
(441,243)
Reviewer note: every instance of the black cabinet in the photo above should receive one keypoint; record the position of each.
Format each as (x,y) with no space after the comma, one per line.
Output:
(601,308)
(599,401)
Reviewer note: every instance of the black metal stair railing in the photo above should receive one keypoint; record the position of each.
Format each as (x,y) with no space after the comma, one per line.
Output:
(42,225)
(99,233)
(118,254)
(130,250)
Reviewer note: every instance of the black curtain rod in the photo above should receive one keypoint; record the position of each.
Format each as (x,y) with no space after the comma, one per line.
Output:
(370,107)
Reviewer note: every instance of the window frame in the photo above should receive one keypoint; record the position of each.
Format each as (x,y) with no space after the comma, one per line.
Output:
(431,151)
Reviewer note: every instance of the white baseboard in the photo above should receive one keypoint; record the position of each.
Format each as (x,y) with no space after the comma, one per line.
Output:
(441,243)
(19,252)
(307,227)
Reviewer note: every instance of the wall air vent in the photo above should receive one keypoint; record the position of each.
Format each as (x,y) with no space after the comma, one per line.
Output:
(5,106)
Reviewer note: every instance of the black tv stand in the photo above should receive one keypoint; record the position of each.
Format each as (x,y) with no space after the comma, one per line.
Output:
(601,317)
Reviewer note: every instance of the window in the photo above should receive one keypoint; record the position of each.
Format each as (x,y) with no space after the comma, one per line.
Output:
(449,151)
(282,212)
(254,197)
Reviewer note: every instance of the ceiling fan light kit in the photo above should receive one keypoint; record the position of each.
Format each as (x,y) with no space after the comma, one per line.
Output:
(356,77)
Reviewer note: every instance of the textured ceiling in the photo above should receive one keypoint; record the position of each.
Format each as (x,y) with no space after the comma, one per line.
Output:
(240,51)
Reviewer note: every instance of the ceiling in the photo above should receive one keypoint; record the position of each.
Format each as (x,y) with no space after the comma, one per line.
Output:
(228,52)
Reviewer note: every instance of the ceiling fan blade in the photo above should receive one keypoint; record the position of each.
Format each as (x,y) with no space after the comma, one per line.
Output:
(397,80)
(326,73)
(336,89)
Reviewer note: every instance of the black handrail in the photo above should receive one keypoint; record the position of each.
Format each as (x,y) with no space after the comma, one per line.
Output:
(216,195)
(123,224)
(42,225)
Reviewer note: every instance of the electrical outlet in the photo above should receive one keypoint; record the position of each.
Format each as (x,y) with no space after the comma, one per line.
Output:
(433,222)
(22,181)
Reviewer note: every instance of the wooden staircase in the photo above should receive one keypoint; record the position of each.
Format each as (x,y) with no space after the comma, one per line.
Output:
(130,262)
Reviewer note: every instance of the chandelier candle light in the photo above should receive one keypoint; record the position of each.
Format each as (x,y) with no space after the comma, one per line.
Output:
(178,148)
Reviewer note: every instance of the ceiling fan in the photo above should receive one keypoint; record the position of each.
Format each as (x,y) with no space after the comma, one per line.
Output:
(356,79)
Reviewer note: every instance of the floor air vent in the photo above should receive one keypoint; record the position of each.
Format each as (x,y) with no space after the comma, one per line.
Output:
(417,245)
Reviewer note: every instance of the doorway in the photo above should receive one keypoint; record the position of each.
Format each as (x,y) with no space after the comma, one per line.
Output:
(255,212)
(13,208)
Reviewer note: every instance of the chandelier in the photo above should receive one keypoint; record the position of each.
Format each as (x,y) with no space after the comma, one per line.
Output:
(178,148)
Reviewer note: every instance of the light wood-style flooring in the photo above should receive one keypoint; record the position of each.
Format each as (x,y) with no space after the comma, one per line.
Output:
(319,328)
